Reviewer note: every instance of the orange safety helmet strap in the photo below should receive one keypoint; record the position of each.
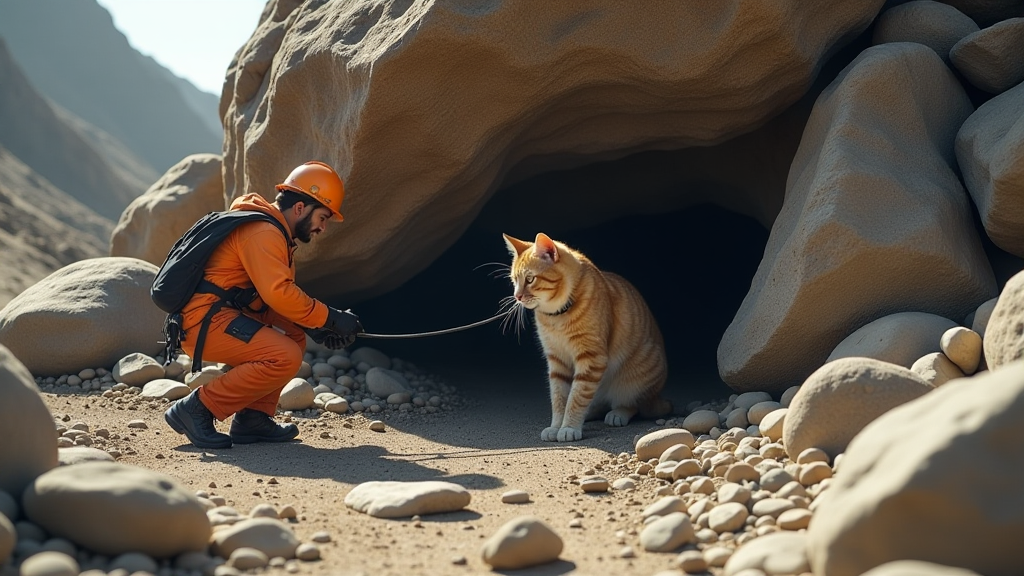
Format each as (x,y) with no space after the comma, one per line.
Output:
(320,182)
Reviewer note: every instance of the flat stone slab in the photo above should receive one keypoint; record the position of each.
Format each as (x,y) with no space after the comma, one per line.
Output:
(404,499)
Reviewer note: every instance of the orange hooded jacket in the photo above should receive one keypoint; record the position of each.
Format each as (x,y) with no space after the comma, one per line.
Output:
(256,254)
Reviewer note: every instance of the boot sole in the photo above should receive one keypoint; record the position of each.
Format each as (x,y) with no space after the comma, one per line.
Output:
(180,428)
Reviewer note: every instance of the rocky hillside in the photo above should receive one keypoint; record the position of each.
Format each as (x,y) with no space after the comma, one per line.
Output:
(41,228)
(74,56)
(31,130)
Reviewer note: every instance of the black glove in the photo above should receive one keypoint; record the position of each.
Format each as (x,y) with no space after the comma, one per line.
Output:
(329,339)
(343,323)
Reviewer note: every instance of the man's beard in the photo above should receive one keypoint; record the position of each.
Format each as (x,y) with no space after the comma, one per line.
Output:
(304,229)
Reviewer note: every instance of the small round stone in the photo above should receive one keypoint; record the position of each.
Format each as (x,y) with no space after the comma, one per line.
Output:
(515,497)
(691,562)
(377,425)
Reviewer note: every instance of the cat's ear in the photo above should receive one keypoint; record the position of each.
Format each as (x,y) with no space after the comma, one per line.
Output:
(545,248)
(515,245)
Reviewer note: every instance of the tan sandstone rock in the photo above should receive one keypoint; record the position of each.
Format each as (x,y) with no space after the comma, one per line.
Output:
(930,480)
(899,338)
(154,221)
(936,25)
(992,58)
(990,150)
(89,314)
(842,397)
(268,535)
(1004,335)
(936,369)
(963,347)
(29,446)
(521,543)
(114,508)
(859,235)
(419,160)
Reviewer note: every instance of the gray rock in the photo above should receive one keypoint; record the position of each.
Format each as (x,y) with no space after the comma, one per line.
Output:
(49,564)
(899,338)
(9,507)
(80,454)
(94,312)
(115,508)
(268,535)
(856,219)
(30,438)
(667,533)
(988,149)
(841,398)
(296,395)
(931,480)
(383,383)
(521,543)
(137,369)
(375,358)
(991,59)
(936,25)
(404,499)
(133,562)
(652,445)
(779,553)
(165,388)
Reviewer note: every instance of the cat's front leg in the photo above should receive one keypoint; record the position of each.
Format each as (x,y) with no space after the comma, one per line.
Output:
(589,372)
(559,377)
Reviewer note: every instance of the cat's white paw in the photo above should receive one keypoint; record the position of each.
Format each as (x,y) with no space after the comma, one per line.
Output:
(617,418)
(549,434)
(569,434)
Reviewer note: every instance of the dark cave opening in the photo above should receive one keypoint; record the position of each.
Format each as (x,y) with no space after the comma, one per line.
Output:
(693,266)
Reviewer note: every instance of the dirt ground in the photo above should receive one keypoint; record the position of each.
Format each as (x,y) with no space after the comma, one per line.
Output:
(489,443)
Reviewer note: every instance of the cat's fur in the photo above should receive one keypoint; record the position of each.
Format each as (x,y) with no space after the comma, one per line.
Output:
(602,344)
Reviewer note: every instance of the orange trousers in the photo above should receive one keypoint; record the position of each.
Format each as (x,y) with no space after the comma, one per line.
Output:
(260,368)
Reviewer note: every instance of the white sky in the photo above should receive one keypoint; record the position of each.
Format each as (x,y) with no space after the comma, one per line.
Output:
(195,39)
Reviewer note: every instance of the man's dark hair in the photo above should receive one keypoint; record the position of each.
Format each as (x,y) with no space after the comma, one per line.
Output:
(288,198)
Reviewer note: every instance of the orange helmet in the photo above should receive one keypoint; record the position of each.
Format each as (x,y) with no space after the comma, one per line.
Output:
(320,182)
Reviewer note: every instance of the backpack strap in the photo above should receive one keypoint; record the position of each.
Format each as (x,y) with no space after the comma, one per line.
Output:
(234,297)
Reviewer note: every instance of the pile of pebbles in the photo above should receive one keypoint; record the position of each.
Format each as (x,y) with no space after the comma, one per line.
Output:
(329,382)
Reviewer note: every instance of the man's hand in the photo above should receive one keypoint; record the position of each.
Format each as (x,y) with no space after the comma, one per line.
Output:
(329,338)
(343,323)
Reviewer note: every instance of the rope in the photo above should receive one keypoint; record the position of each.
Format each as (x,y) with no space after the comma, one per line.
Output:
(434,333)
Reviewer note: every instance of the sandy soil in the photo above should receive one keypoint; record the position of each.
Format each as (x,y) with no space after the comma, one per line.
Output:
(489,443)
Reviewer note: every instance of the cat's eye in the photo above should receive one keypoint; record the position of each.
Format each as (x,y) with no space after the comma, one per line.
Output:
(529,279)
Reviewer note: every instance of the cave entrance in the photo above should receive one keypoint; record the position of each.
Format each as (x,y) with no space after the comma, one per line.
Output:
(693,265)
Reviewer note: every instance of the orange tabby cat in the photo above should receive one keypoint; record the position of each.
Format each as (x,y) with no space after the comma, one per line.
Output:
(603,347)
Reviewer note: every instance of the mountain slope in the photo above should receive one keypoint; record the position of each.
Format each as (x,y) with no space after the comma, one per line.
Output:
(42,229)
(74,55)
(31,130)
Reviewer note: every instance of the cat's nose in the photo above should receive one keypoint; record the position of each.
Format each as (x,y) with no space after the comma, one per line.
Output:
(519,297)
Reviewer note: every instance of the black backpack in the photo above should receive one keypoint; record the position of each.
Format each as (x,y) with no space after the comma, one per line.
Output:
(181,276)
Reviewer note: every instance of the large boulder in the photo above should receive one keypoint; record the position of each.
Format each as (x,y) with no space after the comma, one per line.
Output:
(1004,333)
(839,399)
(114,508)
(875,221)
(88,314)
(572,85)
(990,149)
(936,479)
(29,446)
(900,338)
(153,222)
(936,25)
(992,58)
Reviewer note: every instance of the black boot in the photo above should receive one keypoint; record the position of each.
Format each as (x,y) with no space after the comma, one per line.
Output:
(250,426)
(189,416)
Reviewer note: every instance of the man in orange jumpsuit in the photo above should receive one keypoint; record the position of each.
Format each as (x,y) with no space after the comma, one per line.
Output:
(265,342)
